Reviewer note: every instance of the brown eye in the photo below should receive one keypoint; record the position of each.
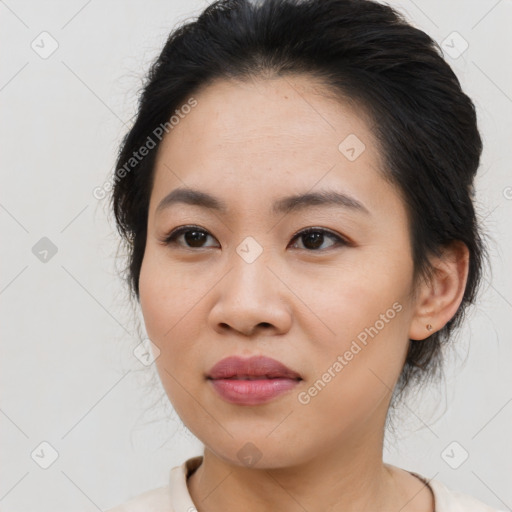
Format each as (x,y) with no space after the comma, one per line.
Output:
(313,238)
(194,237)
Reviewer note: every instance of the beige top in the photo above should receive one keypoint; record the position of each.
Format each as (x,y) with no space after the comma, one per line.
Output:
(176,498)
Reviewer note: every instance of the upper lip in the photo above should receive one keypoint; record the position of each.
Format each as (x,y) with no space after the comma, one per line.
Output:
(256,366)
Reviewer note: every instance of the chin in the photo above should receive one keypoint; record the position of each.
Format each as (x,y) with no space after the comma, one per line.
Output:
(259,453)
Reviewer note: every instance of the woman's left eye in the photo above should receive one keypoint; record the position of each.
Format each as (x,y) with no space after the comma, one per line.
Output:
(314,238)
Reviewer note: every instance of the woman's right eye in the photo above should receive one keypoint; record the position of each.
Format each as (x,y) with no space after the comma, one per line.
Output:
(192,235)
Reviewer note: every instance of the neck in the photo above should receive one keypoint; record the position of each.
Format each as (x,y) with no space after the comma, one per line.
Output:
(351,478)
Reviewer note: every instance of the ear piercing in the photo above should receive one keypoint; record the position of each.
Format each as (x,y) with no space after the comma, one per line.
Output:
(429,327)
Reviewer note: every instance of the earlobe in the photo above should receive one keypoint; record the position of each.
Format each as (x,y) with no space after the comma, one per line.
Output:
(439,299)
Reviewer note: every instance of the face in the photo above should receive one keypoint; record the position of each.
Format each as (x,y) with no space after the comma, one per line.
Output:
(333,305)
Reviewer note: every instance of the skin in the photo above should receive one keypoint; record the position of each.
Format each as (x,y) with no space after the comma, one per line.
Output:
(250,144)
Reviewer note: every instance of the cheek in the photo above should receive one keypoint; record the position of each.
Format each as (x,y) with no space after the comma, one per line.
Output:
(170,304)
(356,302)
(358,360)
(168,319)
(166,296)
(355,374)
(151,302)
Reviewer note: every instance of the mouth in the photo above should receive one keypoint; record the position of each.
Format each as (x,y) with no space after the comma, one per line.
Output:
(252,381)
(253,368)
(254,377)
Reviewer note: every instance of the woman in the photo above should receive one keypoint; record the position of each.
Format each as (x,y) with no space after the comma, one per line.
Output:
(296,198)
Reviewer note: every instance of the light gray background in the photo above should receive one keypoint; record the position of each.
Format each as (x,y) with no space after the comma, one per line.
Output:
(68,373)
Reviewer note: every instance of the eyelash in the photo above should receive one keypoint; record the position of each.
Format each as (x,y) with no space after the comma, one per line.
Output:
(170,239)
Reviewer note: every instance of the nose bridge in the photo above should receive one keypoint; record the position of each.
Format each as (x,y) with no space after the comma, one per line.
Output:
(250,273)
(251,294)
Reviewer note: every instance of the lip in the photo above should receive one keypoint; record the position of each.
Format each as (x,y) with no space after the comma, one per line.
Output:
(268,379)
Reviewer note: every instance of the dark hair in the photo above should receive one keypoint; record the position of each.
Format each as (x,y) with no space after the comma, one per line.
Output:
(363,51)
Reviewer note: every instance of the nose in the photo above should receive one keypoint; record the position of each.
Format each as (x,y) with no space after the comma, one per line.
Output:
(251,299)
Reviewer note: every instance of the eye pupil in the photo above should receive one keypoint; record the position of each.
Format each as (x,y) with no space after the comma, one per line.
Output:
(316,238)
(194,237)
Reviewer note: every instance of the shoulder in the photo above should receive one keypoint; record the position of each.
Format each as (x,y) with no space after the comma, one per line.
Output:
(154,500)
(172,497)
(452,500)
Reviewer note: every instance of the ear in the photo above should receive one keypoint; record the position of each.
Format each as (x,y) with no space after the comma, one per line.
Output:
(437,301)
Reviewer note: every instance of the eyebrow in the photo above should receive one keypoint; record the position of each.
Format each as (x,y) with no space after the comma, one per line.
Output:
(284,205)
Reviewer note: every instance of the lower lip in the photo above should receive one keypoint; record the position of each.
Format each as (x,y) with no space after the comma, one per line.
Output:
(252,392)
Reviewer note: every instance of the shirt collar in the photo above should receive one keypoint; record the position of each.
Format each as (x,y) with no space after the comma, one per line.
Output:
(180,496)
(182,501)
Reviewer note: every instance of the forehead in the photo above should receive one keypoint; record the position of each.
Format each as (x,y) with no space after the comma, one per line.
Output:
(267,136)
(288,109)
